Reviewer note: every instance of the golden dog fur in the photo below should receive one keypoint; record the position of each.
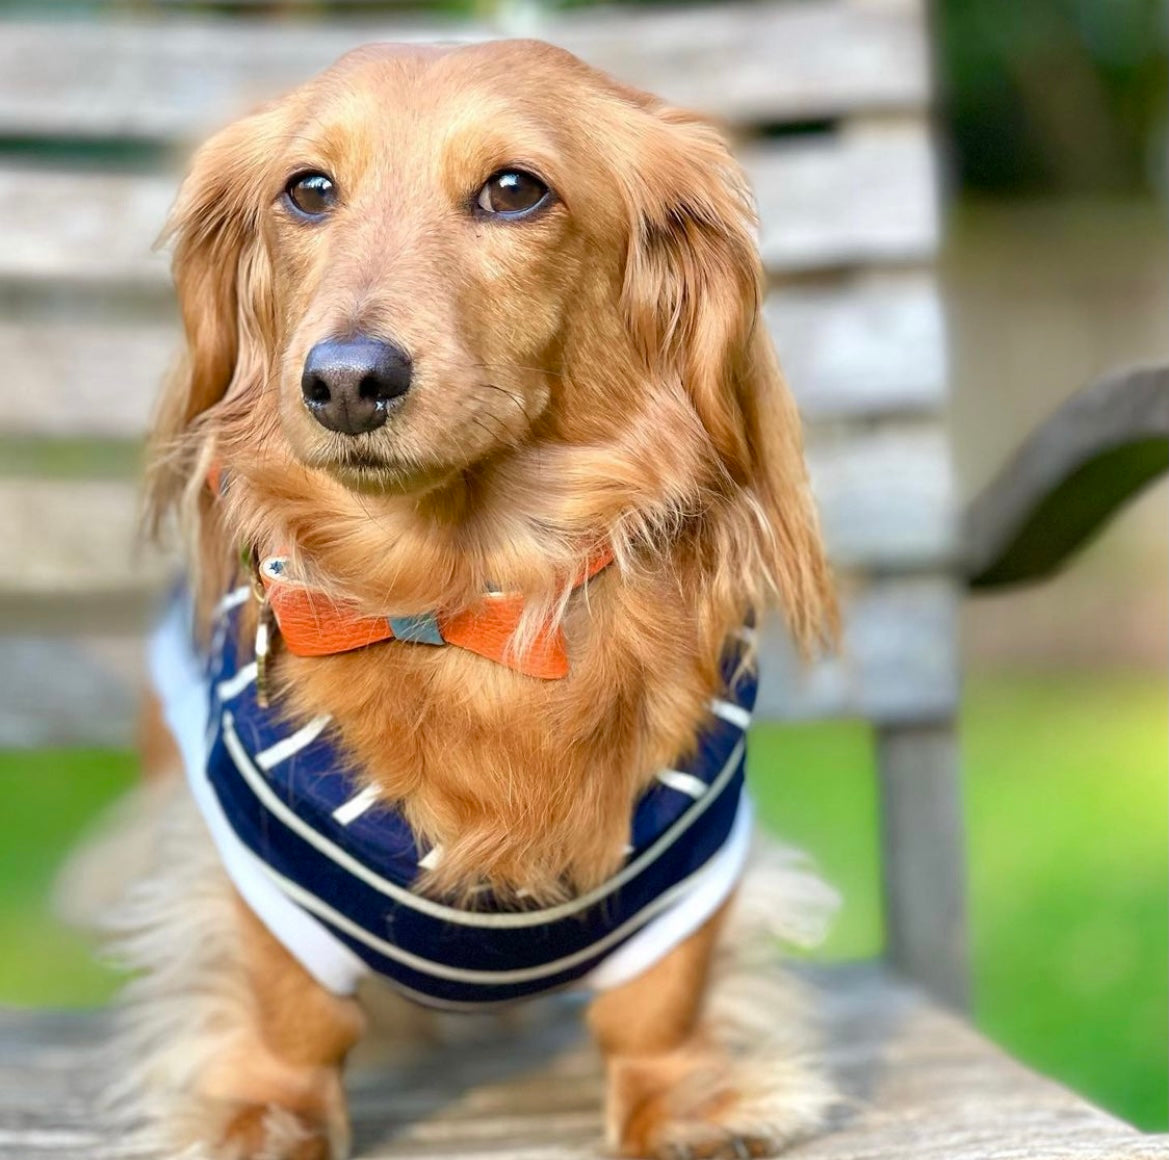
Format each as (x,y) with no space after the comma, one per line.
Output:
(597,374)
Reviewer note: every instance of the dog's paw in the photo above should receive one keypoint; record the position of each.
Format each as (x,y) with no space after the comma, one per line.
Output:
(210,1129)
(701,1105)
(270,1132)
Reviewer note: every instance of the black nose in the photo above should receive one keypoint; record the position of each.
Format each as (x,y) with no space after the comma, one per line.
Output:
(348,383)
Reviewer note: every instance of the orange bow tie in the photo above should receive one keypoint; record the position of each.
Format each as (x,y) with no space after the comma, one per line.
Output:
(312,624)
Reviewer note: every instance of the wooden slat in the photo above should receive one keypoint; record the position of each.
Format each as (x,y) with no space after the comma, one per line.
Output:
(864,346)
(172,79)
(867,193)
(898,660)
(884,496)
(66,691)
(85,227)
(898,663)
(917,1084)
(851,197)
(82,377)
(858,346)
(73,539)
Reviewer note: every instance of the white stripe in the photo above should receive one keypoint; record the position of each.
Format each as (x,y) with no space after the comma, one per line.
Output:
(432,859)
(748,635)
(428,906)
(490,978)
(232,600)
(351,810)
(291,744)
(237,682)
(685,783)
(656,939)
(731,712)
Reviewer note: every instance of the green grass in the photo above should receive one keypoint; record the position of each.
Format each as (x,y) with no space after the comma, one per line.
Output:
(1066,801)
(70,458)
(1069,861)
(48,799)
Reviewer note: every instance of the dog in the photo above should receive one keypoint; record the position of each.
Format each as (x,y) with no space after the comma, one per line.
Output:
(484,470)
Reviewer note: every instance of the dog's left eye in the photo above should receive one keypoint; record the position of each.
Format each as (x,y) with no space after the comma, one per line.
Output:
(511,193)
(313,194)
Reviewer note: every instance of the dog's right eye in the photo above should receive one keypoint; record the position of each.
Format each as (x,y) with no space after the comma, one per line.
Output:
(311,194)
(511,193)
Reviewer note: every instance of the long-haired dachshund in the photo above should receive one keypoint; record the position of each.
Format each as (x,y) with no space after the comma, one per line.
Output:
(485,471)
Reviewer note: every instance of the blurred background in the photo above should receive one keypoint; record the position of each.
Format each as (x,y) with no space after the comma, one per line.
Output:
(1051,124)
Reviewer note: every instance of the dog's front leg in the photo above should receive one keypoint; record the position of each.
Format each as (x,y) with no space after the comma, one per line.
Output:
(649,1031)
(228,1049)
(676,1088)
(275,1087)
(235,1051)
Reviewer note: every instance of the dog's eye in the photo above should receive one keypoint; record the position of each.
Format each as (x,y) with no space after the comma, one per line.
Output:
(511,193)
(313,194)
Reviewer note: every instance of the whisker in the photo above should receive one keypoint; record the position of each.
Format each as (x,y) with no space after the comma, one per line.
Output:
(518,367)
(515,398)
(498,422)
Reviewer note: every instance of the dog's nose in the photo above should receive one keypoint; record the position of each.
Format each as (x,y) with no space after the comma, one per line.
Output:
(348,383)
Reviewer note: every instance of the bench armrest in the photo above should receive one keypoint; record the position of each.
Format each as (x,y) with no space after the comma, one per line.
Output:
(1081,465)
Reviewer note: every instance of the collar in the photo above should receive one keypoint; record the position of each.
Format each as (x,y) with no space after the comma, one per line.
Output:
(314,624)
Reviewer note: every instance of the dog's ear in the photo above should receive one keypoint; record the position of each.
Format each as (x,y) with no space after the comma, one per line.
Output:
(221,278)
(692,276)
(692,294)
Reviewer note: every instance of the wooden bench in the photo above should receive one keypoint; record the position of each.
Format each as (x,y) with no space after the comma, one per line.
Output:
(830,101)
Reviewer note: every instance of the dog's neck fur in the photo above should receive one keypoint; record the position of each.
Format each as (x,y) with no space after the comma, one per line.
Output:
(527,785)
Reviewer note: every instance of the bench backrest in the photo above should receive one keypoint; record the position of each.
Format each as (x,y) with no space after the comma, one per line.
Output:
(829,99)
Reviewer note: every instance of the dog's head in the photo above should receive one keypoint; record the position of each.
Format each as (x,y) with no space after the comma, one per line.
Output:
(495,282)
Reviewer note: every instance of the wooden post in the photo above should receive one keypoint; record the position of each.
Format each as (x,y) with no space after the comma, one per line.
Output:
(923,857)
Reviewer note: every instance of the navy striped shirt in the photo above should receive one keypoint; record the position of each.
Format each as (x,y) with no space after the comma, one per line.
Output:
(350,862)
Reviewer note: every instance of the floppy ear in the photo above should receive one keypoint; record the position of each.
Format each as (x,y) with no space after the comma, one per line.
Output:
(221,278)
(692,294)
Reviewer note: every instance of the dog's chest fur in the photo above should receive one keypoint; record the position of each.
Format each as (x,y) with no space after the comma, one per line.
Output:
(528,785)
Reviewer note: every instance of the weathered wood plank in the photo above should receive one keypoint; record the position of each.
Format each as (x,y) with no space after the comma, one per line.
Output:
(918,1084)
(923,857)
(69,691)
(884,496)
(862,195)
(864,346)
(861,346)
(867,193)
(1068,478)
(171,79)
(898,663)
(898,660)
(89,376)
(85,227)
(74,539)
